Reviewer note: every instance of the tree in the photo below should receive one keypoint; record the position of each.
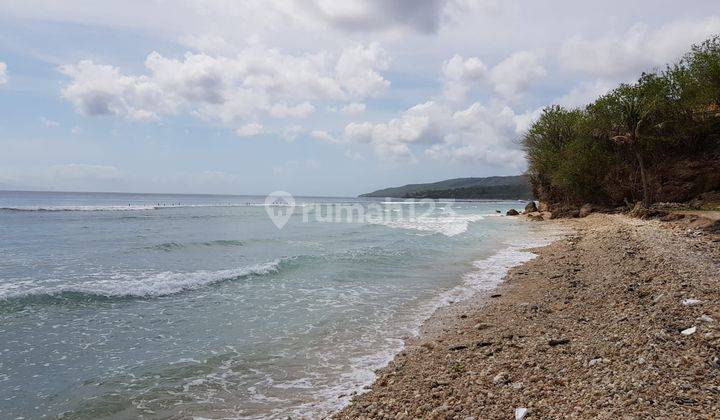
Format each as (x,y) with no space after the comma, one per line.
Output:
(543,145)
(640,140)
(634,115)
(703,68)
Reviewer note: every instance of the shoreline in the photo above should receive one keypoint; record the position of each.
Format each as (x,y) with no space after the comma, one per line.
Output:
(545,342)
(469,292)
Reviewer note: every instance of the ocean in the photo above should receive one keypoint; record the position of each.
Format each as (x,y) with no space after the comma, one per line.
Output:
(172,306)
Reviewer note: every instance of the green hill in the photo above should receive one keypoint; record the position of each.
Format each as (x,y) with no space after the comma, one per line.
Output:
(494,187)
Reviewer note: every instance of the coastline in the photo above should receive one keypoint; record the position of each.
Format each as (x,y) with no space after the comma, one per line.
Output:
(475,286)
(591,327)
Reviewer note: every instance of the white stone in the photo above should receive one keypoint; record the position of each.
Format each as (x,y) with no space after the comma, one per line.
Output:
(691,302)
(689,331)
(705,318)
(520,413)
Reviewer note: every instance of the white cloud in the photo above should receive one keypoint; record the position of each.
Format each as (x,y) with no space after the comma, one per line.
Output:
(525,120)
(302,110)
(324,136)
(512,76)
(354,108)
(258,81)
(48,122)
(76,130)
(478,133)
(354,155)
(357,70)
(487,134)
(640,48)
(101,90)
(250,129)
(3,73)
(290,133)
(584,93)
(460,74)
(421,124)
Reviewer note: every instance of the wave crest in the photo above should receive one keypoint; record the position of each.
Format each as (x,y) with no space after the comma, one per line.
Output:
(124,286)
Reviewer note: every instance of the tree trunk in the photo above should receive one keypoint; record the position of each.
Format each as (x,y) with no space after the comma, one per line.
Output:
(643,178)
(641,163)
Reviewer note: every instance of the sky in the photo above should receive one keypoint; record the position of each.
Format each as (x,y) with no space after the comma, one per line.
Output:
(314,97)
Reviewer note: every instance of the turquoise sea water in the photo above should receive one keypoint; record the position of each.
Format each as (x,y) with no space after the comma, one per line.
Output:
(165,306)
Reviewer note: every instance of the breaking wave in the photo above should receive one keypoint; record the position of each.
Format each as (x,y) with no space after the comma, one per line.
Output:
(448,225)
(129,286)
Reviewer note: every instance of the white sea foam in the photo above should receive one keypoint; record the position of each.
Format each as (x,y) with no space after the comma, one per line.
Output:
(447,224)
(488,274)
(143,285)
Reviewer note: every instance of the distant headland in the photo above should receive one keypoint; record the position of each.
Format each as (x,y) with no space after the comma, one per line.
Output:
(494,187)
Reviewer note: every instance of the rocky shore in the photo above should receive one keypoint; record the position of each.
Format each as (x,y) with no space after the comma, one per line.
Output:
(618,319)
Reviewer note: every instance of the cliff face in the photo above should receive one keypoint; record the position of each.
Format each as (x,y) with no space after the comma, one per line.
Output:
(686,179)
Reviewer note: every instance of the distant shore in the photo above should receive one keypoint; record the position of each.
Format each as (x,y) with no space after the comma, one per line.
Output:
(620,318)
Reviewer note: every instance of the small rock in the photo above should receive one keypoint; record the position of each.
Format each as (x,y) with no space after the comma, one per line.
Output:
(593,362)
(512,212)
(531,207)
(691,302)
(520,413)
(688,331)
(501,378)
(705,318)
(558,342)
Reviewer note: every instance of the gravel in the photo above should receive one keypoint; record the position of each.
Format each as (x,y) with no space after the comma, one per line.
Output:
(591,328)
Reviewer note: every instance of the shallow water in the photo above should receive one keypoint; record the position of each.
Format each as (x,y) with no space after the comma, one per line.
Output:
(118,305)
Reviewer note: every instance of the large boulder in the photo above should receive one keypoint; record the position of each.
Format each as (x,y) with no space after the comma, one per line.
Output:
(512,212)
(585,210)
(531,207)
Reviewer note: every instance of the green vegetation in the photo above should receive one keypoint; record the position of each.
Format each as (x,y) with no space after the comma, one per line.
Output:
(495,187)
(654,140)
